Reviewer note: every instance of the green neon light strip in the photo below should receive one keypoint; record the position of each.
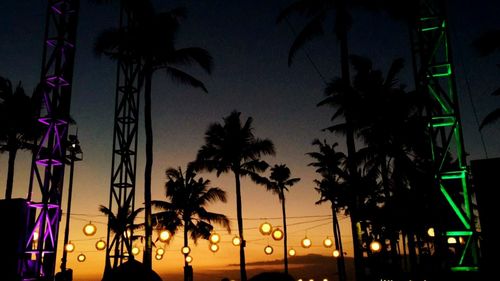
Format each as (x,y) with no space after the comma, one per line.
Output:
(453,175)
(464,268)
(429,28)
(459,233)
(444,105)
(467,245)
(468,210)
(455,208)
(442,70)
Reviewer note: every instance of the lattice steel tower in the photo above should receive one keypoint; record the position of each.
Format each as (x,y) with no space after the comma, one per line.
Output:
(124,158)
(435,77)
(38,259)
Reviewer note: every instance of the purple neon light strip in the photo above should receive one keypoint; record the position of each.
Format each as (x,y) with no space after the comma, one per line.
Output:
(50,120)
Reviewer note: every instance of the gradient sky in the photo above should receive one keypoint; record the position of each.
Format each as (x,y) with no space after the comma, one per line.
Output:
(251,75)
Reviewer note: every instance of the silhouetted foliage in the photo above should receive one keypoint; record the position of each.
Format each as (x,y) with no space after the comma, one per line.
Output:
(232,147)
(19,127)
(279,182)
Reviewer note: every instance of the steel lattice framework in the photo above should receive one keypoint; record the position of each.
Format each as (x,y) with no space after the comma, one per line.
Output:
(123,173)
(44,204)
(435,77)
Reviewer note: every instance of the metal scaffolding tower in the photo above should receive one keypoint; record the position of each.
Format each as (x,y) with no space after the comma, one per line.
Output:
(38,259)
(124,159)
(434,70)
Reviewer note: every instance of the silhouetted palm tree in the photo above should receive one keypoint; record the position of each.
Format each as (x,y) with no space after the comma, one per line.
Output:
(232,147)
(152,41)
(278,183)
(188,198)
(317,11)
(486,44)
(119,223)
(19,127)
(330,164)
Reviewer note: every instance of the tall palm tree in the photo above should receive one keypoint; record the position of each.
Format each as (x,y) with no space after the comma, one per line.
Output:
(152,41)
(330,164)
(279,182)
(188,198)
(119,223)
(232,147)
(317,11)
(19,126)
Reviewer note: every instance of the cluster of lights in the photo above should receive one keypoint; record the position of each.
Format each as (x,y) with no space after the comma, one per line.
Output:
(159,253)
(214,242)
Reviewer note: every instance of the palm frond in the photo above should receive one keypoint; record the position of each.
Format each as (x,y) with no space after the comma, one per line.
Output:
(182,77)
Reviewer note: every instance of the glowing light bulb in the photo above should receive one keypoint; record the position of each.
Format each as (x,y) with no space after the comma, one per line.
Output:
(268,250)
(236,241)
(292,252)
(214,238)
(336,253)
(89,229)
(100,245)
(375,246)
(186,250)
(160,251)
(306,242)
(265,228)
(189,259)
(214,247)
(81,258)
(277,234)
(165,235)
(70,247)
(328,242)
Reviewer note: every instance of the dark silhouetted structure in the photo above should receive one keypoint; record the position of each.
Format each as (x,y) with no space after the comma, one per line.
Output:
(272,276)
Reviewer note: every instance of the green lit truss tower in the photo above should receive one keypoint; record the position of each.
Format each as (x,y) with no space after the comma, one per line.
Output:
(124,158)
(43,211)
(435,77)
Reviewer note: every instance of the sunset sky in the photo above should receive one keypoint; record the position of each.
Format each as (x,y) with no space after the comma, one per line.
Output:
(251,75)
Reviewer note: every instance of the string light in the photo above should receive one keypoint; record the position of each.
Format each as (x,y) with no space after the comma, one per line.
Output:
(268,250)
(70,247)
(236,240)
(165,235)
(328,242)
(189,259)
(158,257)
(214,238)
(81,258)
(185,250)
(100,245)
(336,253)
(135,251)
(214,247)
(265,228)
(375,246)
(277,234)
(89,229)
(292,252)
(306,242)
(160,251)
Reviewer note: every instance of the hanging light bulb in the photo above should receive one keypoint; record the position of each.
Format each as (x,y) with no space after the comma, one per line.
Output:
(306,242)
(268,250)
(265,228)
(328,242)
(70,247)
(186,250)
(165,235)
(100,245)
(214,238)
(214,247)
(89,229)
(160,251)
(135,250)
(336,253)
(431,232)
(189,259)
(375,246)
(292,252)
(452,240)
(236,240)
(158,257)
(277,234)
(81,258)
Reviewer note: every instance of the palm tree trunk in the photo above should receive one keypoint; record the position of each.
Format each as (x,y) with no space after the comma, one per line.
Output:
(285,237)
(351,146)
(338,246)
(10,171)
(149,165)
(187,277)
(243,272)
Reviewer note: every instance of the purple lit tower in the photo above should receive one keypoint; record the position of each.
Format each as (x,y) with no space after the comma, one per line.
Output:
(43,212)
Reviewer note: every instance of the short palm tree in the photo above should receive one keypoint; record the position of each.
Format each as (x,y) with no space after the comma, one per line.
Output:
(330,164)
(152,41)
(19,126)
(278,182)
(119,224)
(232,147)
(188,198)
